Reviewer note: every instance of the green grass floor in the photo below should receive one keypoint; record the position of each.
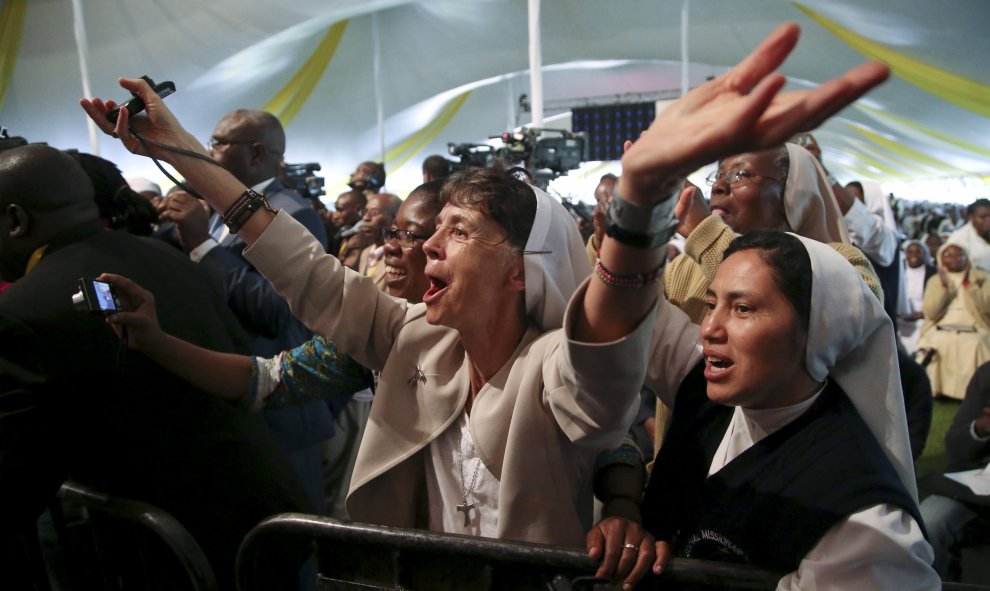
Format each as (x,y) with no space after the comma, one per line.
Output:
(934,459)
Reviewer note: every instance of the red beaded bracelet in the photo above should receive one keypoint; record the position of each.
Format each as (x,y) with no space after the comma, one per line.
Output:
(636,281)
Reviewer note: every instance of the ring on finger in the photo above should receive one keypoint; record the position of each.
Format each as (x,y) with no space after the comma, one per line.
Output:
(631,546)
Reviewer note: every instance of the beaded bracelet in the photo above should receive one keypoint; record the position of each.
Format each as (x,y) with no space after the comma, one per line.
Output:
(243,208)
(636,281)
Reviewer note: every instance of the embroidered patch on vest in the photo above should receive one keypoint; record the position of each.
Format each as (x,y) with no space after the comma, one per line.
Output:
(711,545)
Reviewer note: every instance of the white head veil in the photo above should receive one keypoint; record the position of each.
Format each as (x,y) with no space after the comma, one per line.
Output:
(809,204)
(556,262)
(878,205)
(851,341)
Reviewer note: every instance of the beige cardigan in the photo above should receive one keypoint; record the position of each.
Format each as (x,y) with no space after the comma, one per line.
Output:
(538,424)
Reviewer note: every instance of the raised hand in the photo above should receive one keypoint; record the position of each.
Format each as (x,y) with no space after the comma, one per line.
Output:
(691,209)
(190,216)
(163,137)
(739,111)
(157,125)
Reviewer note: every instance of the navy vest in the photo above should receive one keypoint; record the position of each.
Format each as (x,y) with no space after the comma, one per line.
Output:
(774,502)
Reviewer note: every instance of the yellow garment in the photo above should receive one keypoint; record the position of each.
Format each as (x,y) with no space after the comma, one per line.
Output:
(957,353)
(373,266)
(36,257)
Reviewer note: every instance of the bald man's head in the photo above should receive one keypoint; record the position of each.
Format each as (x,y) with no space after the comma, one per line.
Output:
(43,192)
(380,213)
(250,143)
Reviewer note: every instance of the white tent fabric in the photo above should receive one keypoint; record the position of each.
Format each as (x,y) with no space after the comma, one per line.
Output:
(452,71)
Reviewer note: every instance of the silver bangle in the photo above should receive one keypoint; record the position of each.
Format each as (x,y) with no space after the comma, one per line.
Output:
(641,226)
(640,219)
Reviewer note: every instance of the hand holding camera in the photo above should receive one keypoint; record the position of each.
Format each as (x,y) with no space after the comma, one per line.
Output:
(134,317)
(157,126)
(136,104)
(96,296)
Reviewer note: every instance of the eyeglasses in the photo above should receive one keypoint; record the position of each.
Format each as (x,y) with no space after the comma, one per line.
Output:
(215,144)
(736,177)
(404,237)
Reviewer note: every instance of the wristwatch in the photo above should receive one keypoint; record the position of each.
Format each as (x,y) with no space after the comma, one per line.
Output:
(639,226)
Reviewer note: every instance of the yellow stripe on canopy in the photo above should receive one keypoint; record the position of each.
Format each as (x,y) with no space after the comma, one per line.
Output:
(12,13)
(409,147)
(890,117)
(906,152)
(290,99)
(969,94)
(863,158)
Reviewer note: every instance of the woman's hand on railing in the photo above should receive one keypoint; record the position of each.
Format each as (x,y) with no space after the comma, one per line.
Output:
(625,549)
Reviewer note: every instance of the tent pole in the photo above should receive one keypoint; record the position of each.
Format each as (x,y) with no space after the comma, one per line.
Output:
(82,49)
(684,46)
(535,65)
(376,58)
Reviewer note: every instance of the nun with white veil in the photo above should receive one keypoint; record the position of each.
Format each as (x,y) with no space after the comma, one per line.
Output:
(788,446)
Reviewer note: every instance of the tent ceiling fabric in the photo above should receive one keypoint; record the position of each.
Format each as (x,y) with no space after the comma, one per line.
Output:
(452,71)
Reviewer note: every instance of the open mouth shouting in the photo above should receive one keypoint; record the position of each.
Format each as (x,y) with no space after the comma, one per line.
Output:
(438,287)
(717,366)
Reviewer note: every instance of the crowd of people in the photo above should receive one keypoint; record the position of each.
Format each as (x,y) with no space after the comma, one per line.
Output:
(745,377)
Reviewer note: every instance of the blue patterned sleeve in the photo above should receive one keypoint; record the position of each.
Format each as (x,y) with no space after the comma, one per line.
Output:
(316,370)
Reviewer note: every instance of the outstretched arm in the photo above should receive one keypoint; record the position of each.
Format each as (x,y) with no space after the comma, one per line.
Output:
(159,134)
(226,375)
(740,111)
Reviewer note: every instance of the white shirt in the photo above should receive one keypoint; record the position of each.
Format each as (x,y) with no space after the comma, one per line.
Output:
(880,547)
(452,452)
(871,232)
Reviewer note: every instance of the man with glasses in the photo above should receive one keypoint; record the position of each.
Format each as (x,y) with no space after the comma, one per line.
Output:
(250,144)
(379,215)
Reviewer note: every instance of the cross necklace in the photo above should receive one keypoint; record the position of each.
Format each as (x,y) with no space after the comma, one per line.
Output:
(468,490)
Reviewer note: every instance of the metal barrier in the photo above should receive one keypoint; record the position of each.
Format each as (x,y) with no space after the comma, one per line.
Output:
(151,519)
(360,556)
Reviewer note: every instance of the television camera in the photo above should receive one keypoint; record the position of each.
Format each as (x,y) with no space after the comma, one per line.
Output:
(303,179)
(545,153)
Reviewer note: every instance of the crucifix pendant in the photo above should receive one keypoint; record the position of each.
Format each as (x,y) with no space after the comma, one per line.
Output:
(466,508)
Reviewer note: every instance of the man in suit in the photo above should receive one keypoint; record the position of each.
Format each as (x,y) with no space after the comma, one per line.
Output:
(250,144)
(74,403)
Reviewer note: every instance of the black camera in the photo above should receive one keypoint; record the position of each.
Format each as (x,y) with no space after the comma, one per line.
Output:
(302,177)
(136,104)
(96,296)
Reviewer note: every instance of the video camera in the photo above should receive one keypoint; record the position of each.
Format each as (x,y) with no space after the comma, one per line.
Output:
(546,157)
(301,177)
